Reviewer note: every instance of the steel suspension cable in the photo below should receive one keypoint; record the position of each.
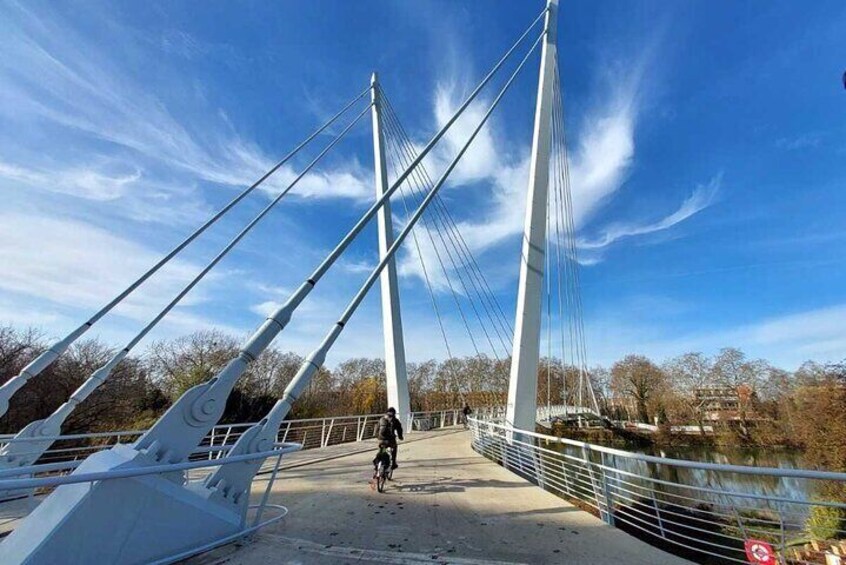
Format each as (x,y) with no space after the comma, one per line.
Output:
(452,228)
(560,267)
(548,277)
(99,376)
(431,292)
(447,279)
(564,239)
(316,359)
(401,159)
(209,398)
(229,246)
(42,361)
(459,264)
(434,219)
(455,295)
(441,214)
(573,249)
(558,263)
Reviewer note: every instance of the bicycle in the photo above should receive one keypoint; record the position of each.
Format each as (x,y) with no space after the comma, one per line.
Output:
(384,469)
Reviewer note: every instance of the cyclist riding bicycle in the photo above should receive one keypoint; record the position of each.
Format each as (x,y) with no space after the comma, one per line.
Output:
(466,411)
(389,429)
(382,456)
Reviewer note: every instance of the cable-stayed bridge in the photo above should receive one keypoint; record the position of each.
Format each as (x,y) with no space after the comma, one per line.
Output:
(188,485)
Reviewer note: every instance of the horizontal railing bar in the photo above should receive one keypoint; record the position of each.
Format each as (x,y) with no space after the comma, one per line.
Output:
(673,533)
(9,438)
(680,544)
(740,469)
(668,521)
(18,484)
(702,519)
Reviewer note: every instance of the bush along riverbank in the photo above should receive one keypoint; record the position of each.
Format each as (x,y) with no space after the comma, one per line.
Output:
(726,435)
(684,516)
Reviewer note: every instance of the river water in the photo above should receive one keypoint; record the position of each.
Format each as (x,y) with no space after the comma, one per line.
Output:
(691,486)
(750,484)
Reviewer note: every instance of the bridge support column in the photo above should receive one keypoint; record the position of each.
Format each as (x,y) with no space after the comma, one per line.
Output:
(395,368)
(523,384)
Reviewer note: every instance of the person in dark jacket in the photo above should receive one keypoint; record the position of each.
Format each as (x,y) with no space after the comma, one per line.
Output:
(388,430)
(466,411)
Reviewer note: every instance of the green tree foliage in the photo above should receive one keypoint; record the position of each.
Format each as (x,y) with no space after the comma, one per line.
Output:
(824,522)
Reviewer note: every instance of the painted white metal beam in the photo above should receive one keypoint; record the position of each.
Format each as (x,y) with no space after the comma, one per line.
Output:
(523,384)
(395,367)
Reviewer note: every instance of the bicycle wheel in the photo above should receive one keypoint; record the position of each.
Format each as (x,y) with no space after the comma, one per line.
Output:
(380,479)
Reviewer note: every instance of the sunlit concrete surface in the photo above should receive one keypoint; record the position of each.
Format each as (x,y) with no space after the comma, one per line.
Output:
(447,504)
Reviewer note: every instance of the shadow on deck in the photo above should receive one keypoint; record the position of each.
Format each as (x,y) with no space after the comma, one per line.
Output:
(446,505)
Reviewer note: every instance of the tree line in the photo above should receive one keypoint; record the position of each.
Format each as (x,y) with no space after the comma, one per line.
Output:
(773,406)
(143,387)
(805,408)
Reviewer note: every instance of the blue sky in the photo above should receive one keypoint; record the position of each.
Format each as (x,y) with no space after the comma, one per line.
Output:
(707,146)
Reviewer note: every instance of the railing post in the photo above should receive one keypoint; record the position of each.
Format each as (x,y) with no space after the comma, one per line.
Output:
(567,486)
(606,489)
(537,462)
(270,481)
(782,540)
(589,467)
(658,516)
(211,444)
(225,439)
(739,522)
(329,432)
(519,450)
(287,429)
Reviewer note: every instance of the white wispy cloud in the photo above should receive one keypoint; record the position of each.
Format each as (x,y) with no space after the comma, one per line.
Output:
(80,265)
(700,199)
(810,140)
(85,135)
(601,159)
(53,78)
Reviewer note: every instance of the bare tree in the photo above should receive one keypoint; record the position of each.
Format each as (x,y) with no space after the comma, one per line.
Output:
(687,375)
(637,377)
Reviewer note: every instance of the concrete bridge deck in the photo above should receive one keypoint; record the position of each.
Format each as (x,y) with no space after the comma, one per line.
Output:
(447,504)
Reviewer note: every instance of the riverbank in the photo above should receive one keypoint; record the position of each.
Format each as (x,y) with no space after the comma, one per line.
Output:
(663,437)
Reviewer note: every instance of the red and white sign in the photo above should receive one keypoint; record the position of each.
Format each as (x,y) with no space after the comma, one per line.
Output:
(759,552)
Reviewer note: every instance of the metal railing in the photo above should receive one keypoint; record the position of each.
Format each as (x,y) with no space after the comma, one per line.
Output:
(548,412)
(69,451)
(311,433)
(423,421)
(36,478)
(702,511)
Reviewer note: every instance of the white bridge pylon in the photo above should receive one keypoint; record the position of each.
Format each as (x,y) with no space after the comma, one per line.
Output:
(523,383)
(395,367)
(135,518)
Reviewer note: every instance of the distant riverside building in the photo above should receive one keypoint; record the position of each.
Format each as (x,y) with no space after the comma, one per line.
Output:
(721,403)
